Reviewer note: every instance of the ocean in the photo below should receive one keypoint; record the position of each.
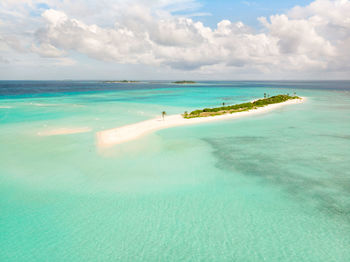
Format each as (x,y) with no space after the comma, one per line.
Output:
(269,187)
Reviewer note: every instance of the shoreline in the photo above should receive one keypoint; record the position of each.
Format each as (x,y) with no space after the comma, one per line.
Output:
(114,136)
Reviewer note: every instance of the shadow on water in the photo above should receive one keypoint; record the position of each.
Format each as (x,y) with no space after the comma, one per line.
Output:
(301,176)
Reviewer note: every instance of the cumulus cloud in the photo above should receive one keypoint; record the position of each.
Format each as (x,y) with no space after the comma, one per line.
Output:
(47,50)
(315,37)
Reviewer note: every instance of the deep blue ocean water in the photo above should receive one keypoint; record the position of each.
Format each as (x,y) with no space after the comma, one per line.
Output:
(270,187)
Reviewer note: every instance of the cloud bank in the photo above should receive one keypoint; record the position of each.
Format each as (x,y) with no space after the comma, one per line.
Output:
(314,38)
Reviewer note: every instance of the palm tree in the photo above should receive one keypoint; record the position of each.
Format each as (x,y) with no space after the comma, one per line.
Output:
(223,104)
(163,114)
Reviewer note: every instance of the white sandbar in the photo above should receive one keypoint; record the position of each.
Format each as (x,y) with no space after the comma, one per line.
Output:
(126,133)
(64,131)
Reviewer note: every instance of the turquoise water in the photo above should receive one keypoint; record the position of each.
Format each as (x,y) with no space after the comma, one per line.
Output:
(271,187)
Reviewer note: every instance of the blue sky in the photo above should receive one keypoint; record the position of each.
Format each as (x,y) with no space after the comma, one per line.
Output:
(174,39)
(245,11)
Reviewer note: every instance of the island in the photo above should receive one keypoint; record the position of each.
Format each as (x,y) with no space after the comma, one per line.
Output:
(121,81)
(184,82)
(239,107)
(118,135)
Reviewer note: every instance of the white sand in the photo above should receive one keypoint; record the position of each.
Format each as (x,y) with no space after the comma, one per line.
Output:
(126,133)
(64,131)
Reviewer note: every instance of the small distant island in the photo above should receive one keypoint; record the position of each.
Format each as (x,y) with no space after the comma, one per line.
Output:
(239,107)
(184,82)
(121,81)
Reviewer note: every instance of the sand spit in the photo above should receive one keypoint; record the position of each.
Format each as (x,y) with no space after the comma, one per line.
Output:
(110,137)
(64,131)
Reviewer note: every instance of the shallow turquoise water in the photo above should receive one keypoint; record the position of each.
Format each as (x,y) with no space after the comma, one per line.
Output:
(272,187)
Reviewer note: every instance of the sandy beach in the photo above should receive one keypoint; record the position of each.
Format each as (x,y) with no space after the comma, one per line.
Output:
(114,136)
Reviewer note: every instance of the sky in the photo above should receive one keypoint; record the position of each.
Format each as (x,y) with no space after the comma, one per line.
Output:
(174,39)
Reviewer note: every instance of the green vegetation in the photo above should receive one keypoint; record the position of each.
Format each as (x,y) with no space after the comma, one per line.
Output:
(184,82)
(121,81)
(239,107)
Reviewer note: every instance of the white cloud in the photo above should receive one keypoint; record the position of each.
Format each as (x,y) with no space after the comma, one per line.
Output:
(3,60)
(47,50)
(64,61)
(314,38)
